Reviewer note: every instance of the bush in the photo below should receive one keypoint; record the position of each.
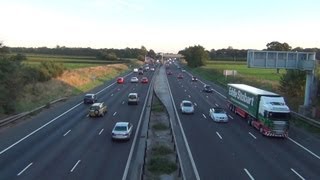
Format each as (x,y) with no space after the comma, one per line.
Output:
(160,126)
(161,150)
(161,165)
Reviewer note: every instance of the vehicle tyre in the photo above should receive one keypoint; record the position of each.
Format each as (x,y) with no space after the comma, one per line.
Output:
(102,114)
(261,130)
(249,122)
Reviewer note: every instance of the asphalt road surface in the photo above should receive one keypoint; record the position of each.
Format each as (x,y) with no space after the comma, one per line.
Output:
(64,143)
(235,150)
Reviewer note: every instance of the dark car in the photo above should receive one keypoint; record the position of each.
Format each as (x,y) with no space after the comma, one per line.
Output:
(140,72)
(207,88)
(90,99)
(169,73)
(180,76)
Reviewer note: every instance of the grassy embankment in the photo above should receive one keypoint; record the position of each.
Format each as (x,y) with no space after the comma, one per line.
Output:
(81,75)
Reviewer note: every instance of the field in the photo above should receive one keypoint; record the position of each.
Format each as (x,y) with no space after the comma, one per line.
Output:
(264,78)
(70,62)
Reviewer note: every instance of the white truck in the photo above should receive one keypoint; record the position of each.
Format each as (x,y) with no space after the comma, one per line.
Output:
(264,110)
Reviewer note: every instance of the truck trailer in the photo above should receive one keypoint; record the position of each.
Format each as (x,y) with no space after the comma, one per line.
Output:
(264,110)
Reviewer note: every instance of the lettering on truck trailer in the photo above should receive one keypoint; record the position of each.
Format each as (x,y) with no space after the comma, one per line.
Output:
(241,96)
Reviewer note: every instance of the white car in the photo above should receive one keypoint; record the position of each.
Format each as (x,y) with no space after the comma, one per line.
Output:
(122,131)
(187,107)
(218,114)
(133,98)
(152,69)
(134,80)
(135,70)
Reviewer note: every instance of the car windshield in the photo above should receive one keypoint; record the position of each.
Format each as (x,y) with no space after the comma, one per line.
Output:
(219,110)
(132,96)
(207,87)
(88,96)
(187,104)
(94,108)
(120,128)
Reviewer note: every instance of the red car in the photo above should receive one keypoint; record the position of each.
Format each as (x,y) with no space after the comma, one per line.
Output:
(180,76)
(120,80)
(144,80)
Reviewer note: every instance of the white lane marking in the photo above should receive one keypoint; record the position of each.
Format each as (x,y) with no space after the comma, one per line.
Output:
(297,174)
(252,135)
(189,96)
(24,169)
(195,104)
(204,116)
(67,133)
(87,115)
(114,113)
(122,102)
(207,96)
(101,131)
(304,148)
(33,132)
(230,117)
(248,173)
(217,105)
(132,89)
(75,166)
(185,90)
(111,94)
(219,135)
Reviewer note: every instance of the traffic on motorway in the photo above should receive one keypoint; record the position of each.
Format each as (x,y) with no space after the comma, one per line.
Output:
(233,133)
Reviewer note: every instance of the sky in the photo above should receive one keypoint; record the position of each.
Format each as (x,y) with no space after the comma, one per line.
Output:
(161,25)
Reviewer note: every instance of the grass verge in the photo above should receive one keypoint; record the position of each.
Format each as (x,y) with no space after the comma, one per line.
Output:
(161,150)
(160,165)
(160,126)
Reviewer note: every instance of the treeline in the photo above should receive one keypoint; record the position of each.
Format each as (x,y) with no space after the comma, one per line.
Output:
(103,54)
(241,54)
(15,75)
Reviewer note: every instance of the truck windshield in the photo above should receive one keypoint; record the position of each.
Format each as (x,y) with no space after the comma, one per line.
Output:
(279,116)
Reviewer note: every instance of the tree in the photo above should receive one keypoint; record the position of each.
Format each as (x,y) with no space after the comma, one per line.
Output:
(277,46)
(195,56)
(293,83)
(152,54)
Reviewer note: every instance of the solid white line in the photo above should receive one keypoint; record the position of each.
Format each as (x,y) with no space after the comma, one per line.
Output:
(217,105)
(75,166)
(219,135)
(101,131)
(304,148)
(66,133)
(230,117)
(24,169)
(297,174)
(33,132)
(114,113)
(248,174)
(204,116)
(252,135)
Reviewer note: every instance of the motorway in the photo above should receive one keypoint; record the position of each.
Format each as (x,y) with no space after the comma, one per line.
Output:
(235,150)
(64,143)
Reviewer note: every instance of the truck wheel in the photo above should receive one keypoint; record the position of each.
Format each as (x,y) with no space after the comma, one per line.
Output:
(249,121)
(261,130)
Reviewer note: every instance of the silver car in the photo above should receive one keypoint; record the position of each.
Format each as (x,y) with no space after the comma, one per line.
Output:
(134,80)
(187,107)
(122,131)
(218,114)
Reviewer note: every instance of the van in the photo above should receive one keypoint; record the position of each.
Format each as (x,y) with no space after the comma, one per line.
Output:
(133,98)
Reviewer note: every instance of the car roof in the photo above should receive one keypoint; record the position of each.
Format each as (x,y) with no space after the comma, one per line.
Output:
(186,101)
(122,124)
(133,94)
(96,104)
(90,94)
